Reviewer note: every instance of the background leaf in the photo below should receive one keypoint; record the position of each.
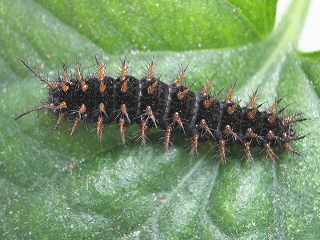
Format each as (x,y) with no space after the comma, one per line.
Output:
(149,25)
(128,193)
(311,66)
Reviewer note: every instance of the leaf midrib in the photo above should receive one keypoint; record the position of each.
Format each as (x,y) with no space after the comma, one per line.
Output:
(285,37)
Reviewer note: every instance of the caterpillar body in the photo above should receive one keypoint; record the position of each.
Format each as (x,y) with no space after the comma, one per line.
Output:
(175,108)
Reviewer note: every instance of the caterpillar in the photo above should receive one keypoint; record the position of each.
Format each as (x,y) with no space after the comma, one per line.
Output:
(175,108)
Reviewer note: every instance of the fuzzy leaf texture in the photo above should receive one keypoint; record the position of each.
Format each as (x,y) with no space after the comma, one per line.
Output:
(144,193)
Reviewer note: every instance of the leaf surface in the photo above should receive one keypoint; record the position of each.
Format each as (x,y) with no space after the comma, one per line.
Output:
(144,193)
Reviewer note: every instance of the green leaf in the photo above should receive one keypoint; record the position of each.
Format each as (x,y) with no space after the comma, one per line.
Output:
(130,193)
(311,66)
(166,25)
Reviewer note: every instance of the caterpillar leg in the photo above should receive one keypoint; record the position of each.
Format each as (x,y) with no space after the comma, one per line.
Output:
(122,126)
(270,152)
(143,128)
(194,145)
(76,123)
(222,151)
(60,120)
(247,150)
(100,128)
(167,138)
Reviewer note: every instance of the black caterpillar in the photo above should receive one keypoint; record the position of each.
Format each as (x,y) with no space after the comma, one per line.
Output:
(175,108)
